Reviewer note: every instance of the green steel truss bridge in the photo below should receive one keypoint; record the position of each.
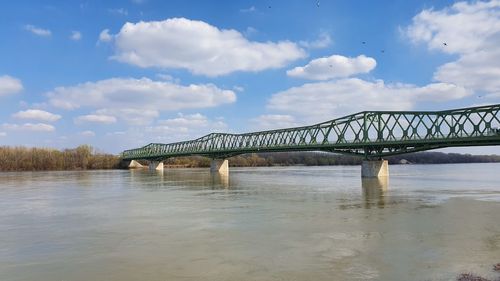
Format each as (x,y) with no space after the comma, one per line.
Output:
(369,134)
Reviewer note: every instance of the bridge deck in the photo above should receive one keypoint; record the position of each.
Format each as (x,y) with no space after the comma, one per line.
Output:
(371,134)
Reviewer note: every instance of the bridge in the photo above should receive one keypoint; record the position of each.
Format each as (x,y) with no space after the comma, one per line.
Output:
(372,135)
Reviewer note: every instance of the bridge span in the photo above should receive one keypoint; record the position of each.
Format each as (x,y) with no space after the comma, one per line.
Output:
(372,135)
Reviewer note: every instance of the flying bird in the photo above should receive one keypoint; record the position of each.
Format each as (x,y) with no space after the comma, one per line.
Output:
(363,42)
(382,51)
(444,43)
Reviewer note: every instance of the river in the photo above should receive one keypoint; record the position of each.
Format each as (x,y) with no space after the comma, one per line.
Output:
(428,222)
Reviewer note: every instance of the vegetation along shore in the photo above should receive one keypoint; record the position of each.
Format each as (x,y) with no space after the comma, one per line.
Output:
(86,157)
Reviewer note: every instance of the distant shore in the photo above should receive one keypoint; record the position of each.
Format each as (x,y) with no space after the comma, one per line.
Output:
(87,158)
(46,159)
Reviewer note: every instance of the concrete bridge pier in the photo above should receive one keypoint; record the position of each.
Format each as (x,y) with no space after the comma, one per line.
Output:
(156,165)
(134,164)
(219,166)
(374,169)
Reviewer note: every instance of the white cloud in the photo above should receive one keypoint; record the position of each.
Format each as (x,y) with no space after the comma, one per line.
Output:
(198,47)
(36,114)
(464,27)
(132,116)
(334,66)
(324,40)
(3,134)
(104,36)
(9,85)
(470,30)
(87,134)
(138,1)
(184,127)
(95,118)
(38,127)
(37,30)
(138,95)
(192,120)
(479,71)
(274,121)
(327,100)
(75,35)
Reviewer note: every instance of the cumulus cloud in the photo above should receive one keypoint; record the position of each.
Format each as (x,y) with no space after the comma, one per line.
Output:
(198,47)
(138,101)
(75,35)
(9,85)
(470,30)
(334,66)
(465,27)
(104,36)
(185,126)
(326,100)
(324,40)
(273,121)
(3,134)
(36,114)
(38,127)
(132,116)
(37,30)
(479,71)
(95,118)
(135,96)
(192,120)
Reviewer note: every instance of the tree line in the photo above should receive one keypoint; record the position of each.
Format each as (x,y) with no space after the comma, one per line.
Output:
(86,158)
(326,159)
(46,159)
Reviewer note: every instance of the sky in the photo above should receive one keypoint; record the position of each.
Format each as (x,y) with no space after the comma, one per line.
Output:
(122,74)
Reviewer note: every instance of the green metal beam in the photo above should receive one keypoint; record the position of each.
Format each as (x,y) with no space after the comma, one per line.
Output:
(370,134)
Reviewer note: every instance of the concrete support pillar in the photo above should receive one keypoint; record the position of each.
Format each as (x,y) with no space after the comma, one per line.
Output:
(156,165)
(134,164)
(374,169)
(219,166)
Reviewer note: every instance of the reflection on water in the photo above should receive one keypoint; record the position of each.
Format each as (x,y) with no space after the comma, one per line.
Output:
(220,179)
(195,178)
(374,190)
(296,223)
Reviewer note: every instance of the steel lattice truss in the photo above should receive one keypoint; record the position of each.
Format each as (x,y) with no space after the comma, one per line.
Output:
(371,134)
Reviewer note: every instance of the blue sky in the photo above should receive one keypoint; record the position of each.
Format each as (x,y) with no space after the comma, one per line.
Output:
(121,74)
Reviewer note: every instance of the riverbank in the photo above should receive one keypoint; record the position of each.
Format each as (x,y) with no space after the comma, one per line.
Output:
(87,158)
(330,159)
(47,159)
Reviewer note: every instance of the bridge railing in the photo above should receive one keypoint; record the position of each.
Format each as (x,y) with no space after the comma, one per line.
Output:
(364,129)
